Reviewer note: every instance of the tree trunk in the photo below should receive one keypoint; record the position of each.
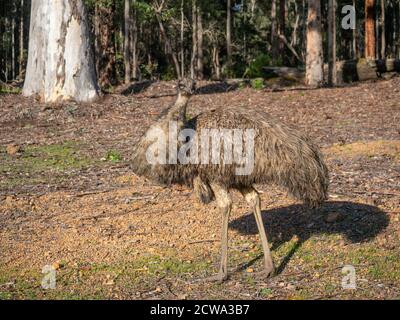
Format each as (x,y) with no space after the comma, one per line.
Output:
(282,25)
(200,55)
(97,50)
(106,43)
(193,66)
(383,34)
(332,42)
(127,45)
(13,42)
(293,40)
(5,58)
(229,32)
(133,43)
(182,39)
(21,41)
(370,29)
(314,57)
(216,64)
(274,37)
(355,51)
(60,63)
(253,8)
(168,46)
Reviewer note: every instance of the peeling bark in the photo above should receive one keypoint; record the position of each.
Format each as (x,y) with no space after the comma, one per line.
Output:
(314,59)
(60,62)
(370,29)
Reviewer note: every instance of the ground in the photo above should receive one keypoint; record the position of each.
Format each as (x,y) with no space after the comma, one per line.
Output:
(68,199)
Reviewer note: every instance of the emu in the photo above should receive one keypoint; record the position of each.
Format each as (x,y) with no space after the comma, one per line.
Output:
(282,156)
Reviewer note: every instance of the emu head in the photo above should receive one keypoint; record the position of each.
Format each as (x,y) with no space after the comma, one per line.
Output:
(186,87)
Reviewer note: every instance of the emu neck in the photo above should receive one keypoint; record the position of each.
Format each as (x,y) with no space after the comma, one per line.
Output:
(178,111)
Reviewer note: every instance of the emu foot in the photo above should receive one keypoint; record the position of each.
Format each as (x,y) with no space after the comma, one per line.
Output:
(268,272)
(218,278)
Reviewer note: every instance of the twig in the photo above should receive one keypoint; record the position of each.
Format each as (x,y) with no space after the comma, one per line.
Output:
(90,193)
(202,241)
(283,38)
(140,198)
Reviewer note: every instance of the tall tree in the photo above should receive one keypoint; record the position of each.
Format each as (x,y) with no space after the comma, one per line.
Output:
(182,38)
(383,32)
(200,52)
(229,32)
(332,42)
(370,45)
(21,40)
(282,25)
(134,42)
(354,44)
(274,36)
(314,56)
(105,30)
(127,38)
(14,13)
(60,62)
(193,62)
(158,8)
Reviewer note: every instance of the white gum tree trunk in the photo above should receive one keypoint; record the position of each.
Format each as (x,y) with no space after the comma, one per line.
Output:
(60,60)
(314,57)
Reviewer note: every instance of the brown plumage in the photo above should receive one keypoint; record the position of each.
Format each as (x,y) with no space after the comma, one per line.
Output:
(282,156)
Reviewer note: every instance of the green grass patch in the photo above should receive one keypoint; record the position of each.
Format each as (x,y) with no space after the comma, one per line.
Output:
(113,156)
(30,167)
(94,281)
(10,90)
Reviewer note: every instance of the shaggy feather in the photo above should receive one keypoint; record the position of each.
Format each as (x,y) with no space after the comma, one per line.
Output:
(283,156)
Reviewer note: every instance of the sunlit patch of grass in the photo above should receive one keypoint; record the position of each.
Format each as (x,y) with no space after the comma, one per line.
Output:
(113,156)
(35,160)
(94,281)
(10,90)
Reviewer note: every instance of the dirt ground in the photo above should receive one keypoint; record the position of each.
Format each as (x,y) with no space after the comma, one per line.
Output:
(68,199)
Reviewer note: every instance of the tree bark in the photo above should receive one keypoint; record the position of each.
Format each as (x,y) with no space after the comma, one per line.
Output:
(332,42)
(355,51)
(21,40)
(253,8)
(274,36)
(216,64)
(383,26)
(182,39)
(282,25)
(13,42)
(200,54)
(105,37)
(133,43)
(293,40)
(168,45)
(229,32)
(60,63)
(370,29)
(127,45)
(314,56)
(193,65)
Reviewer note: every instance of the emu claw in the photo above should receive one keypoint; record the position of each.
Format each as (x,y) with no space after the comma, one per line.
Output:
(265,274)
(218,278)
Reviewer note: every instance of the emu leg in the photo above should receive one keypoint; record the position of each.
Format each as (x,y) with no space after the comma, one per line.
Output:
(224,202)
(253,198)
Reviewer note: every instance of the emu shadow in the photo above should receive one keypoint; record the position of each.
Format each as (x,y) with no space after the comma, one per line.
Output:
(357,222)
(137,87)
